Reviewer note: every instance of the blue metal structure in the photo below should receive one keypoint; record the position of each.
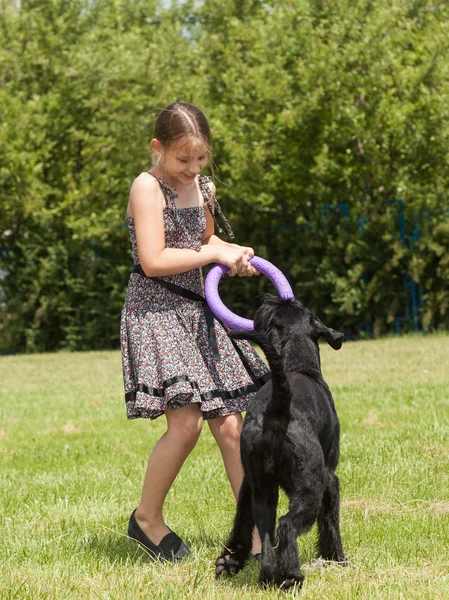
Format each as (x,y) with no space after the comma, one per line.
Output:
(413,293)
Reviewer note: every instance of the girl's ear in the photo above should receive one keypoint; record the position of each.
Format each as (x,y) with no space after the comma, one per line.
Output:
(156,147)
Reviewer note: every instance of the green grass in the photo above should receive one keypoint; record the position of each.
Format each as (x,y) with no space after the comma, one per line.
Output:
(71,469)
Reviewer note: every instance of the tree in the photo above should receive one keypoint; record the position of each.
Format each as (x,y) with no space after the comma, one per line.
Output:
(324,115)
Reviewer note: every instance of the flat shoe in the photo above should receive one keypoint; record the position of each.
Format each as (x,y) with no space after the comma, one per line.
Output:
(257,556)
(170,548)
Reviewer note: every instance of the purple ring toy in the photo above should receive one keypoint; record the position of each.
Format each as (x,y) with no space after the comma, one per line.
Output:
(227,316)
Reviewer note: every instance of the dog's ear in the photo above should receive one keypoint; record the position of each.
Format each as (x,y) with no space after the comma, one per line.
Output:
(332,337)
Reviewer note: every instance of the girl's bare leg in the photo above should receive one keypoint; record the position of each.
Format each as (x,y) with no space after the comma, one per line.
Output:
(166,459)
(226,431)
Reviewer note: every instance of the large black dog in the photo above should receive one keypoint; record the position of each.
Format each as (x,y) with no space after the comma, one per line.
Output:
(290,439)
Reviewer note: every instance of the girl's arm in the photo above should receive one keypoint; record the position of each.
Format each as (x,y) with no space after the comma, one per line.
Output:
(146,206)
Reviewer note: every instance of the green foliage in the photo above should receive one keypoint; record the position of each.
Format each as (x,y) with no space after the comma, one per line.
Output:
(349,107)
(312,104)
(80,80)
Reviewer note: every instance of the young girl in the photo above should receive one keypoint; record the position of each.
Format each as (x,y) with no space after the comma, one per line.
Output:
(177,360)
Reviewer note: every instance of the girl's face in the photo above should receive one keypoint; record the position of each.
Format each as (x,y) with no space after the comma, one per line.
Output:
(184,161)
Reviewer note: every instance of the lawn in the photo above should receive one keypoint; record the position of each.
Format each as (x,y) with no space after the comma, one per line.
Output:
(71,469)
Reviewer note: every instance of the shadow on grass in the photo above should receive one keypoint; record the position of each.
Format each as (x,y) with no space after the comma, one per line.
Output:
(121,550)
(118,549)
(248,578)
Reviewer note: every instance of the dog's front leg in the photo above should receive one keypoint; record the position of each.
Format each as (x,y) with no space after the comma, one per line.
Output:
(238,546)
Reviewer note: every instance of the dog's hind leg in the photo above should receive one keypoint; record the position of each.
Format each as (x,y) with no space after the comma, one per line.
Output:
(265,500)
(298,520)
(329,542)
(238,546)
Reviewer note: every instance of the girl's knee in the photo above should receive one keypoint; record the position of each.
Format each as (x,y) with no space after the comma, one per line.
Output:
(191,429)
(186,425)
(228,429)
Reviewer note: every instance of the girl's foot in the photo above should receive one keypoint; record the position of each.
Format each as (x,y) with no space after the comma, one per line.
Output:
(170,548)
(154,530)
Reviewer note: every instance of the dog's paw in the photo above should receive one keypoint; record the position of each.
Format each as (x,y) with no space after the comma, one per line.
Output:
(266,579)
(334,558)
(227,563)
(289,581)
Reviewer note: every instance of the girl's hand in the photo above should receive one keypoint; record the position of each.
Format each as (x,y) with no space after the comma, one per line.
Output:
(250,270)
(237,259)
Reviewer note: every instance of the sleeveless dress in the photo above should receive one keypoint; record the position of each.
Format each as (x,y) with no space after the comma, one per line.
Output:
(167,358)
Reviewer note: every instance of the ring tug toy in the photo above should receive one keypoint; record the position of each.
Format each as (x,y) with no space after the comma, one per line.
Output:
(224,314)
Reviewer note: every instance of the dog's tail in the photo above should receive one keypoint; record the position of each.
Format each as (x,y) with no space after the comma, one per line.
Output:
(281,388)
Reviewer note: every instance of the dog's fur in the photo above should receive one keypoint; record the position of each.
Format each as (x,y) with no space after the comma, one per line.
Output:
(290,439)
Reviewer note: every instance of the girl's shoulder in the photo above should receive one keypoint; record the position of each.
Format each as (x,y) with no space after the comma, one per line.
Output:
(145,190)
(145,181)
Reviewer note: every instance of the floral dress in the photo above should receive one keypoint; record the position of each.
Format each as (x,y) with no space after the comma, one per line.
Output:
(167,357)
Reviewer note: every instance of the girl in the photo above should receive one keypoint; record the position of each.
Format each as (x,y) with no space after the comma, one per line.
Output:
(177,360)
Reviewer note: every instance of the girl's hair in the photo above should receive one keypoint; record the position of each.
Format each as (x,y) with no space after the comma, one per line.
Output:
(178,120)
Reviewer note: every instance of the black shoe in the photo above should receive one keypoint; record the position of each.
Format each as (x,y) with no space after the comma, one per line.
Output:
(257,556)
(170,548)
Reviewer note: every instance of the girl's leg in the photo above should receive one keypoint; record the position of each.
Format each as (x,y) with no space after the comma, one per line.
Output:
(166,459)
(226,431)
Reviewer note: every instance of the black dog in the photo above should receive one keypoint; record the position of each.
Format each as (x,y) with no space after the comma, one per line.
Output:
(290,438)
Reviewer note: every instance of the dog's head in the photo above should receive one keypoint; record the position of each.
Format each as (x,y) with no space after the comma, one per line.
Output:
(282,320)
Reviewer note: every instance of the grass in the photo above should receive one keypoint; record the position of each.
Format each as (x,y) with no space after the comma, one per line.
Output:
(71,469)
